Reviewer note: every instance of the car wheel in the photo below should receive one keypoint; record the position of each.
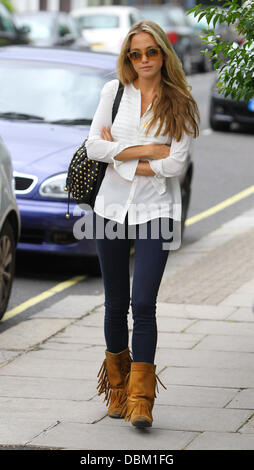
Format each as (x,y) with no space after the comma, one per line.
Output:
(185,206)
(206,65)
(7,265)
(219,126)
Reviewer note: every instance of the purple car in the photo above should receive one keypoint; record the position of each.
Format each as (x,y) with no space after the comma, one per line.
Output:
(48,98)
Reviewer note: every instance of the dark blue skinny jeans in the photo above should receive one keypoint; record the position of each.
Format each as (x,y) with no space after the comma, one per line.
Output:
(149,264)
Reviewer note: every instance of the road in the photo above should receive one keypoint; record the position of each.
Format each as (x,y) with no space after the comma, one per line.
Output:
(223,167)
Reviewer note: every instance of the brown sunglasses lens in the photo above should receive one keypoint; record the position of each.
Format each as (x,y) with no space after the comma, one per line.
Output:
(136,56)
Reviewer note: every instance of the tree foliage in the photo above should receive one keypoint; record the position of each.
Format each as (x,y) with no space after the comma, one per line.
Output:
(233,62)
(8,5)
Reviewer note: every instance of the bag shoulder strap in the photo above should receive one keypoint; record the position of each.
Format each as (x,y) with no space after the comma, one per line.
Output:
(117,100)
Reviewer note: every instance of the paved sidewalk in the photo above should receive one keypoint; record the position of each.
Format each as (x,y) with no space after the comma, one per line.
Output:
(205,358)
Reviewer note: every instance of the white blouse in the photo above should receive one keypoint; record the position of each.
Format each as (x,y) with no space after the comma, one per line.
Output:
(143,197)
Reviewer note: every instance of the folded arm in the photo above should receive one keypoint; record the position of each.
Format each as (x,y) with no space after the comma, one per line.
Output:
(176,163)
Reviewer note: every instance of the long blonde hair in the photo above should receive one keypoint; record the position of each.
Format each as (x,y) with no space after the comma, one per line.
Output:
(174,105)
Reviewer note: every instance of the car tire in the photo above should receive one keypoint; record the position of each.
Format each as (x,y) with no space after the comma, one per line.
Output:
(187,63)
(186,195)
(219,126)
(7,265)
(185,205)
(206,65)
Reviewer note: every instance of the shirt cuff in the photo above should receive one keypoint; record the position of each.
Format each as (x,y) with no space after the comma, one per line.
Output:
(156,166)
(126,169)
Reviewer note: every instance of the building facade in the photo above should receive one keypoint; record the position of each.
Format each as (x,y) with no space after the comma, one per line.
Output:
(67,5)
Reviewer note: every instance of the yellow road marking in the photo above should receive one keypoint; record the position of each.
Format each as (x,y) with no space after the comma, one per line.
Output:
(40,297)
(218,207)
(64,285)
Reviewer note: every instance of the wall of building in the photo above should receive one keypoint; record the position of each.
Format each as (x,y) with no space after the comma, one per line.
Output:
(53,5)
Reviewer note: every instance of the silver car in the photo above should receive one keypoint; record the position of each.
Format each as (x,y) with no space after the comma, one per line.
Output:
(9,227)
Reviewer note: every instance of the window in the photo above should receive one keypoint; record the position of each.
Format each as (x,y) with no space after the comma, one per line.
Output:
(99,21)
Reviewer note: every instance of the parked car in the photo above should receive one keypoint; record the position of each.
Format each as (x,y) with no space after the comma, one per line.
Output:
(48,99)
(223,111)
(183,37)
(10,33)
(226,32)
(9,227)
(52,29)
(105,27)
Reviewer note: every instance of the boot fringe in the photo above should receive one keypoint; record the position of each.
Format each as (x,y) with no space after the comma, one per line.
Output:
(142,410)
(118,399)
(103,382)
(128,409)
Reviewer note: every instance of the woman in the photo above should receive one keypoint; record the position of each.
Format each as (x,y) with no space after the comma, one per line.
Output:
(146,148)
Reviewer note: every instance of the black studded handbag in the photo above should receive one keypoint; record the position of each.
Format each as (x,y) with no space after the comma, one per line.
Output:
(84,176)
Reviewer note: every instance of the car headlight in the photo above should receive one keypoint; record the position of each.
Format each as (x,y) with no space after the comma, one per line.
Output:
(54,186)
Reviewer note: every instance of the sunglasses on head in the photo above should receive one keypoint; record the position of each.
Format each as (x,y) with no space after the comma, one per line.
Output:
(150,53)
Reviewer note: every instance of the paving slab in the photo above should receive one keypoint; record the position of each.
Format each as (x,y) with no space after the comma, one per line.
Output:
(21,431)
(224,328)
(72,306)
(242,299)
(94,354)
(242,314)
(91,436)
(187,418)
(222,441)
(31,366)
(243,399)
(226,343)
(194,311)
(59,410)
(82,334)
(30,332)
(248,428)
(207,359)
(208,377)
(49,388)
(6,356)
(204,397)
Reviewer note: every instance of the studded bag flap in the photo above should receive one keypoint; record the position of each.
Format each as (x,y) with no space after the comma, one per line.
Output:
(85,176)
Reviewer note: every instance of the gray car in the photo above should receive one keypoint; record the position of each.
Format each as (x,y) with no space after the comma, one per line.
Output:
(9,227)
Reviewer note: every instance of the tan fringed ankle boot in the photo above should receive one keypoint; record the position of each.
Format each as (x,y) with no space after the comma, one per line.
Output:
(112,378)
(140,383)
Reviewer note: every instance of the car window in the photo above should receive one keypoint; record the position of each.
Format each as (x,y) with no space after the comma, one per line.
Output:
(132,19)
(6,21)
(157,15)
(73,26)
(50,91)
(63,26)
(98,21)
(40,26)
(177,16)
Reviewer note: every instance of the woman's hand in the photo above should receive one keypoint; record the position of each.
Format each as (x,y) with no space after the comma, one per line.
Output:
(144,169)
(106,134)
